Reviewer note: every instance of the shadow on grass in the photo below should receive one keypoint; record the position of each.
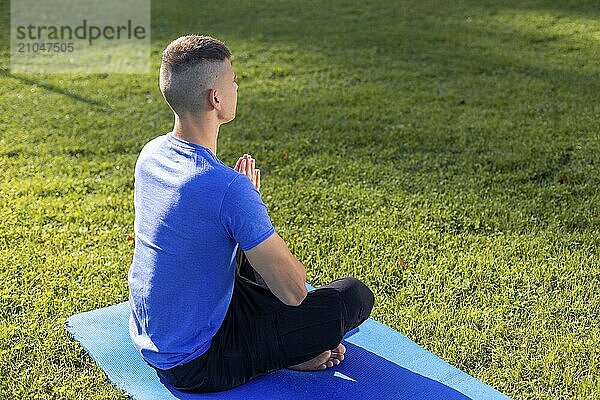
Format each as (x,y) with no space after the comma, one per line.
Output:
(56,89)
(393,51)
(584,8)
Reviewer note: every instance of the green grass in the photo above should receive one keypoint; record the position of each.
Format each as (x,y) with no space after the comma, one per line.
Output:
(460,137)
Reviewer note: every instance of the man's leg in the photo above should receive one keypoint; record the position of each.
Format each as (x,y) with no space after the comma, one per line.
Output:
(358,299)
(324,317)
(320,314)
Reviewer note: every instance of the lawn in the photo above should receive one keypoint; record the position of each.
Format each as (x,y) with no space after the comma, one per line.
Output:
(445,153)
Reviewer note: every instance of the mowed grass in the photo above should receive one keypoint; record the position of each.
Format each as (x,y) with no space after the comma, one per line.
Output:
(445,153)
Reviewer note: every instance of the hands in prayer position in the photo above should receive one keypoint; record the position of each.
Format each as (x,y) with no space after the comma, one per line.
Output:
(245,165)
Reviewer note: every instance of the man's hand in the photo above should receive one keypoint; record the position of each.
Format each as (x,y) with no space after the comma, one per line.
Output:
(245,165)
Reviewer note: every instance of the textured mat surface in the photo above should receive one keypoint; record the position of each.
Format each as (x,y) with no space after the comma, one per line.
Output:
(380,363)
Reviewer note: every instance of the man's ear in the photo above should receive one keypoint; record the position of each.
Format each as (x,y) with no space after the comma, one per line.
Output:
(213,99)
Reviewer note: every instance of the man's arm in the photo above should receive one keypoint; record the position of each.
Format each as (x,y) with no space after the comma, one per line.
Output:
(280,269)
(282,272)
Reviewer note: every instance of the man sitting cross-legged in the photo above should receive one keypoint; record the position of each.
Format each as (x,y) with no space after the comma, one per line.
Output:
(216,296)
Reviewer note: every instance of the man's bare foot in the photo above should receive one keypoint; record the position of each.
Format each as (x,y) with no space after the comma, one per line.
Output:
(326,359)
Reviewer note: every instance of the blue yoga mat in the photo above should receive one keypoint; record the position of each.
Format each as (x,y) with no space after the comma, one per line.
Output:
(380,363)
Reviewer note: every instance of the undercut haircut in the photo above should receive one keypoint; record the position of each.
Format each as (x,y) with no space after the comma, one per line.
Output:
(190,67)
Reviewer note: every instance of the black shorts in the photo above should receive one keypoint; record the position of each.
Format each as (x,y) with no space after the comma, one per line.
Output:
(261,334)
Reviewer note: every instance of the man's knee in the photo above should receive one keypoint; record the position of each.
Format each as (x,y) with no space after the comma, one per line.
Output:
(358,298)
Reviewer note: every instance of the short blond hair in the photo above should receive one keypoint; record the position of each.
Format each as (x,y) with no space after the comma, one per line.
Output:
(190,66)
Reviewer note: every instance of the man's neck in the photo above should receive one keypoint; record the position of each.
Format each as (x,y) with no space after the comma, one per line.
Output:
(203,132)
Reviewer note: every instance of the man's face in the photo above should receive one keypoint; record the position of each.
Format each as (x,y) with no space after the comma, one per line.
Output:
(228,95)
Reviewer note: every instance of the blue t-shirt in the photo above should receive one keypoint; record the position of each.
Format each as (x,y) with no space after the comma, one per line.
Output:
(191,213)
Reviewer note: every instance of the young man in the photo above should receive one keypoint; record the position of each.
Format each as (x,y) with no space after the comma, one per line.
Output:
(216,296)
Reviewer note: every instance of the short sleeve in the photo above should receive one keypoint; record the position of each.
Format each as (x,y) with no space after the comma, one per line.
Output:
(244,215)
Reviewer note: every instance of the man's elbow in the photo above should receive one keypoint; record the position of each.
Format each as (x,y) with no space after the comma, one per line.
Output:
(300,291)
(298,299)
